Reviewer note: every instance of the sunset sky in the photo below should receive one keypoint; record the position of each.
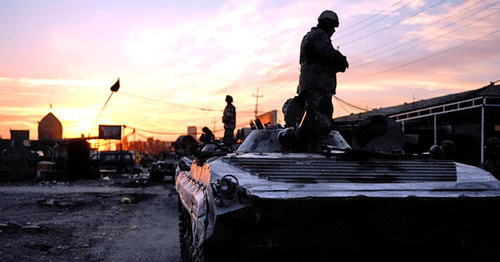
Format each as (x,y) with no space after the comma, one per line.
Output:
(176,59)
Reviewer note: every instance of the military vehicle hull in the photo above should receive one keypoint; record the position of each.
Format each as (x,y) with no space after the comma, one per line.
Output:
(276,206)
(336,220)
(354,229)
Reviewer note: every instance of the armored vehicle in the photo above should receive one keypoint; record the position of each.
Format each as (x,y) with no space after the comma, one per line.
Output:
(270,202)
(165,167)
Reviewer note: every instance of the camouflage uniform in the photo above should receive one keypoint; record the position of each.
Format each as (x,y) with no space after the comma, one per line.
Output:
(229,120)
(319,63)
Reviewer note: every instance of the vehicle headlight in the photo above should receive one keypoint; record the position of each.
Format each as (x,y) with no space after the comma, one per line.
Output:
(226,184)
(226,189)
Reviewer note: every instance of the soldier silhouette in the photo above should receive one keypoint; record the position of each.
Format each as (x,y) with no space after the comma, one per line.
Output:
(229,120)
(319,63)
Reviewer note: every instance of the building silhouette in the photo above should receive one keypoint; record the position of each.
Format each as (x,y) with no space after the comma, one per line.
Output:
(467,119)
(49,128)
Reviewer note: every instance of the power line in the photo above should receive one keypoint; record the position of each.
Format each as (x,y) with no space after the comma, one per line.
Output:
(383,17)
(423,58)
(342,106)
(181,106)
(391,25)
(279,87)
(154,132)
(171,104)
(282,77)
(414,32)
(366,19)
(143,136)
(279,79)
(349,104)
(425,42)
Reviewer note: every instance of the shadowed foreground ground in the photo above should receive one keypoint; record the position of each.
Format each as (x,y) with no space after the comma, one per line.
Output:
(88,221)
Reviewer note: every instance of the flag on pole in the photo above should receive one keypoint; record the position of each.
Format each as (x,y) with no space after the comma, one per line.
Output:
(116,86)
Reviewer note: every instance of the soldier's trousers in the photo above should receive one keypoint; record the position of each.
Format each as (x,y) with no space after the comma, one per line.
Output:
(228,135)
(319,112)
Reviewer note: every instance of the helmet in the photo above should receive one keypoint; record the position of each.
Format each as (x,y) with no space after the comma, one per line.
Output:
(329,16)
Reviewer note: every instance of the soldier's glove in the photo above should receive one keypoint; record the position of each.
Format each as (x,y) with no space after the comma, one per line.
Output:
(343,64)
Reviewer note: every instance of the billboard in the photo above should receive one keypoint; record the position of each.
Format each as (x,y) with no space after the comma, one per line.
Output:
(268,119)
(110,132)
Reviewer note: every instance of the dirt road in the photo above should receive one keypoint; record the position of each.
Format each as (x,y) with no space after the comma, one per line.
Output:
(87,221)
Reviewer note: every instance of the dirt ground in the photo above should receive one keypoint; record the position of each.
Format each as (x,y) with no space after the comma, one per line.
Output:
(89,221)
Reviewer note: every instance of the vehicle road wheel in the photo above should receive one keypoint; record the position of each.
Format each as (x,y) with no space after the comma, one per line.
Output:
(183,233)
(189,251)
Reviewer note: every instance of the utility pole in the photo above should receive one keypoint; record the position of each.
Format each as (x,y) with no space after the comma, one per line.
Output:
(121,138)
(257,102)
(214,126)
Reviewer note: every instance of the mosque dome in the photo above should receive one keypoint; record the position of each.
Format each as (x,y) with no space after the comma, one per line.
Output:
(49,128)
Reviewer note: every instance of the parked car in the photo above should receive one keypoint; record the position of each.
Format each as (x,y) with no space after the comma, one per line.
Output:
(121,161)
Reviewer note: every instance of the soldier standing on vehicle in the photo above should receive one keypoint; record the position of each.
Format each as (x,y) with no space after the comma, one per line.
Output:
(319,63)
(229,120)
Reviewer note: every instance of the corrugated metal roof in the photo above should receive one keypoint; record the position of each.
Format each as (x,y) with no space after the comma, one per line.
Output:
(490,90)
